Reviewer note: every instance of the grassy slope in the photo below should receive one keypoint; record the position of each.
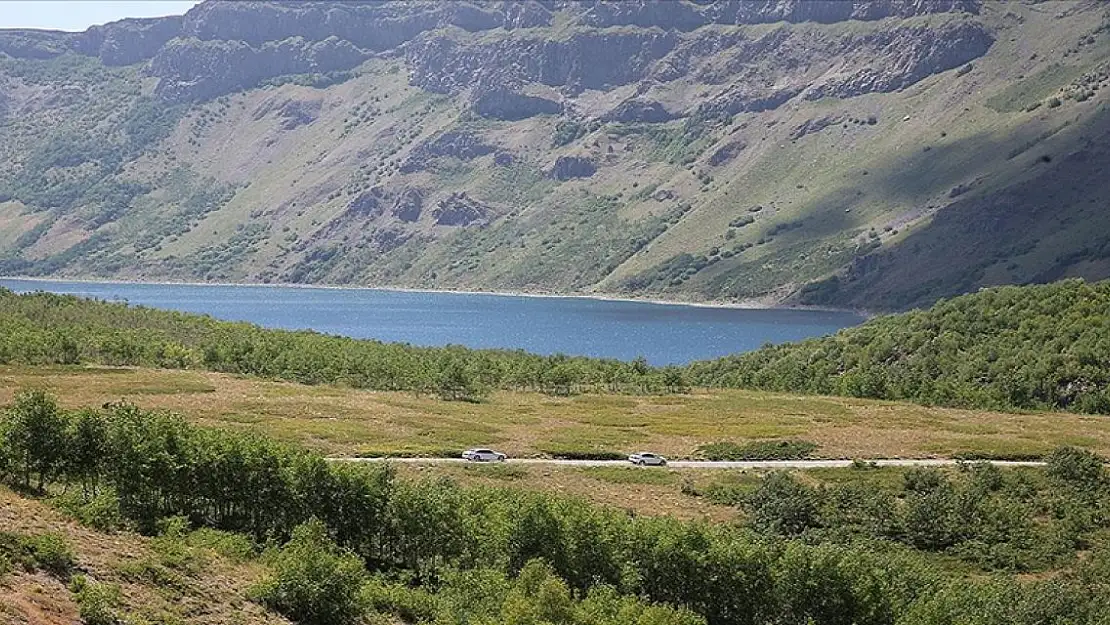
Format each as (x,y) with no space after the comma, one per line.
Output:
(288,189)
(211,590)
(345,421)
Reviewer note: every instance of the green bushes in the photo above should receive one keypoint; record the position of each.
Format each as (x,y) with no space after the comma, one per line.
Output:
(1017,521)
(314,582)
(821,553)
(758,450)
(46,552)
(1009,348)
(98,603)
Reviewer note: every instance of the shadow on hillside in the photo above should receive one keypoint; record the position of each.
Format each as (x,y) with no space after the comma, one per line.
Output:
(1051,222)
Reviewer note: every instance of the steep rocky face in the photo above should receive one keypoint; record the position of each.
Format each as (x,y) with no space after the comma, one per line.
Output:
(192,69)
(569,167)
(129,41)
(726,149)
(442,65)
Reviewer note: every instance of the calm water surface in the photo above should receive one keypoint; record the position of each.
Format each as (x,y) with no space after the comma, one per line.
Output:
(662,333)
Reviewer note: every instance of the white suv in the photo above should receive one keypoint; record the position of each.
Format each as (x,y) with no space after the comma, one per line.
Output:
(483,455)
(644,458)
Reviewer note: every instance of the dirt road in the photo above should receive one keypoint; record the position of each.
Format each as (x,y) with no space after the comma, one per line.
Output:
(705,464)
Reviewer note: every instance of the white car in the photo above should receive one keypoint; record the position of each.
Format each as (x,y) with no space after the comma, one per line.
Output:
(483,455)
(645,458)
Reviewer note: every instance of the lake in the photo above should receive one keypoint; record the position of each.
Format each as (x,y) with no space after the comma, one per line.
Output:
(661,333)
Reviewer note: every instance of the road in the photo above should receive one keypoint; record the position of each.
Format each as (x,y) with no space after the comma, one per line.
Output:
(704,464)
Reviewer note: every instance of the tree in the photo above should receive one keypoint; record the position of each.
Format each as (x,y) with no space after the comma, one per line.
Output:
(36,437)
(314,582)
(87,449)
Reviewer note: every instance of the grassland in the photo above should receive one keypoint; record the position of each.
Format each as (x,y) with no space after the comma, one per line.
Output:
(342,421)
(190,584)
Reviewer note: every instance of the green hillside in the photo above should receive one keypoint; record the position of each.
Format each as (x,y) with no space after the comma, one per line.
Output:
(878,155)
(1033,347)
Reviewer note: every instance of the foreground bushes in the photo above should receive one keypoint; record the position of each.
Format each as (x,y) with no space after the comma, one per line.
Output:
(354,537)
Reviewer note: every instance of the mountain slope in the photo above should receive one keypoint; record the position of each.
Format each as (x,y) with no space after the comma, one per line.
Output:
(878,154)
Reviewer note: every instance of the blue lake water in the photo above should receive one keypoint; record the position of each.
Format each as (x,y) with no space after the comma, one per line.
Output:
(661,333)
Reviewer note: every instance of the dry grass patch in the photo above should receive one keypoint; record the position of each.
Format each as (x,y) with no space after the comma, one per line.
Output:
(214,593)
(345,421)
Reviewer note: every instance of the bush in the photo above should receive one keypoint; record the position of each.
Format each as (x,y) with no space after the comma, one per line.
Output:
(102,512)
(51,553)
(98,603)
(783,505)
(313,581)
(1076,467)
(758,450)
(47,552)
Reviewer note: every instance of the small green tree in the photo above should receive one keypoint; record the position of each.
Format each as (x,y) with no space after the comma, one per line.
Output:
(36,437)
(313,581)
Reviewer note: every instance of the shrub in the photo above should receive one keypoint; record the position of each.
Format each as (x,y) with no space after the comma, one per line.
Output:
(1076,467)
(97,603)
(48,552)
(313,581)
(758,450)
(51,553)
(783,505)
(102,512)
(922,480)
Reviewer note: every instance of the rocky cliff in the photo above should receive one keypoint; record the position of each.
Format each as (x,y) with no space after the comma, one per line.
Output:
(568,145)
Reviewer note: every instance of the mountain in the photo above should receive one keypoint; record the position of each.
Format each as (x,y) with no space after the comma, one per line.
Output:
(877,154)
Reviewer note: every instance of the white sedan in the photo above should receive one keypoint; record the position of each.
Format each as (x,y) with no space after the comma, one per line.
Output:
(483,455)
(644,458)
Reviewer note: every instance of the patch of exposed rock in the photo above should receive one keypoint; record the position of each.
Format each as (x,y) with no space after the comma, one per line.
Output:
(727,152)
(508,105)
(457,144)
(459,209)
(409,205)
(368,203)
(815,125)
(639,111)
(569,167)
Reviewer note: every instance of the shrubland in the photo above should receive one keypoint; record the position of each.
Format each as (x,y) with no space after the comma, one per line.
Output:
(347,542)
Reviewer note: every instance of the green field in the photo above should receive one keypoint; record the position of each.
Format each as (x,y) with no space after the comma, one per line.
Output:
(344,421)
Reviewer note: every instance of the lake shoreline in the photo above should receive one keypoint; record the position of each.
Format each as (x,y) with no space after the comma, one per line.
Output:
(740,305)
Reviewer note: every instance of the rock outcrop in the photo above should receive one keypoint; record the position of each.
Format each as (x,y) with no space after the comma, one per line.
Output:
(194,69)
(508,105)
(459,209)
(409,205)
(639,111)
(461,145)
(570,167)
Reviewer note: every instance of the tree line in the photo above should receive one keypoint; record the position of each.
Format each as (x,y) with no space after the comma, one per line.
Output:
(428,550)
(1040,347)
(1044,347)
(44,328)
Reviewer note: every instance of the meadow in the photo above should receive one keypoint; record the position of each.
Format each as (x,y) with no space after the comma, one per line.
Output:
(342,421)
